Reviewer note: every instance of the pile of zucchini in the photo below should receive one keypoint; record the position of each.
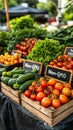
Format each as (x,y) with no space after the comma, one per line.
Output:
(18,78)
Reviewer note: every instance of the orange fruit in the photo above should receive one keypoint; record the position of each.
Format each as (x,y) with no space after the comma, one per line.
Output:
(7,63)
(15,61)
(16,56)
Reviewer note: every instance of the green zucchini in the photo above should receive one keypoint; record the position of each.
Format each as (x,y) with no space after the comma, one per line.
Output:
(21,79)
(15,76)
(4,73)
(12,81)
(16,68)
(20,71)
(2,70)
(25,85)
(16,86)
(5,80)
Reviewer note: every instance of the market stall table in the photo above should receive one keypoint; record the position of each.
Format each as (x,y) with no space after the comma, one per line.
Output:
(15,117)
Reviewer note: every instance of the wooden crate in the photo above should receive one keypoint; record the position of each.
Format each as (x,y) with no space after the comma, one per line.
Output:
(49,115)
(14,95)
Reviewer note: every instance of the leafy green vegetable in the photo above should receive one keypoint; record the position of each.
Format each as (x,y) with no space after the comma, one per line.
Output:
(46,50)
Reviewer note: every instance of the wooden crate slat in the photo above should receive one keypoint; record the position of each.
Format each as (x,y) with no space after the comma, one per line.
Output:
(51,112)
(16,99)
(50,121)
(5,86)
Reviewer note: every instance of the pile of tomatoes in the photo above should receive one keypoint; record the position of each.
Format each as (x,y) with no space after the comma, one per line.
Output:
(49,92)
(63,61)
(25,46)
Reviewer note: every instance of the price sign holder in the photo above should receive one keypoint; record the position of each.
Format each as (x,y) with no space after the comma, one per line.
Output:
(69,51)
(31,65)
(58,73)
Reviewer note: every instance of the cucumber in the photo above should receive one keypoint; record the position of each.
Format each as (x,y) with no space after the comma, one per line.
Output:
(16,86)
(16,68)
(5,80)
(2,77)
(25,85)
(2,70)
(12,81)
(4,73)
(15,76)
(9,73)
(21,71)
(21,79)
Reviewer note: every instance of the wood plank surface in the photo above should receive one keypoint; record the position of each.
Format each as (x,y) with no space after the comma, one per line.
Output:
(50,112)
(50,121)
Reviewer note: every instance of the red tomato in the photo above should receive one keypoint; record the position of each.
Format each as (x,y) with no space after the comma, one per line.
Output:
(34,83)
(66,57)
(33,42)
(59,86)
(50,88)
(18,46)
(26,39)
(64,67)
(55,61)
(52,63)
(72,62)
(24,48)
(69,59)
(56,92)
(60,58)
(42,79)
(39,89)
(59,64)
(46,91)
(40,96)
(69,66)
(44,84)
(56,103)
(63,98)
(72,93)
(33,96)
(31,88)
(68,85)
(27,93)
(66,91)
(46,102)
(21,48)
(64,63)
(52,82)
(23,43)
(51,96)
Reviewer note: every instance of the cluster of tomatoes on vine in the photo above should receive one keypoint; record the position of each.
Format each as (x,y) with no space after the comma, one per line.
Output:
(49,92)
(63,61)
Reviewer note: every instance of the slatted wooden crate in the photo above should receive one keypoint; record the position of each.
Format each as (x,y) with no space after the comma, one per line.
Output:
(49,115)
(14,95)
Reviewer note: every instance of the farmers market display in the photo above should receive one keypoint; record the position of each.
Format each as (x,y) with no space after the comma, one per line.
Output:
(48,98)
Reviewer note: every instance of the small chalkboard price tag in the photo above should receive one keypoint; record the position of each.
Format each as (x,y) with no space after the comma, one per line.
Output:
(69,51)
(32,65)
(58,73)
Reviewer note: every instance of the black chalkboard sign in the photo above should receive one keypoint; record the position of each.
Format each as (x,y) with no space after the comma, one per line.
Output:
(58,73)
(69,51)
(32,65)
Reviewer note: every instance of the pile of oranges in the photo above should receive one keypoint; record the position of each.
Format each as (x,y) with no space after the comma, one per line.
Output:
(9,59)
